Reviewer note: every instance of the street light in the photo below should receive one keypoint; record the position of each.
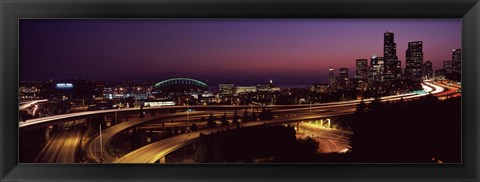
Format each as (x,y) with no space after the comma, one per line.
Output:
(101,145)
(185,147)
(329,122)
(188,113)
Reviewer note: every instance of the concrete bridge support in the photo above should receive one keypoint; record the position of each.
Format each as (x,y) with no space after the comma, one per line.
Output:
(162,160)
(114,119)
(47,133)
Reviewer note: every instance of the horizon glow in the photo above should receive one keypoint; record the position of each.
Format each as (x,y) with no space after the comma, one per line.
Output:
(220,50)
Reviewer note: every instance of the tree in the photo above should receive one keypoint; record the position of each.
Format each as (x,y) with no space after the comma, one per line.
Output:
(263,114)
(376,104)
(224,120)
(269,114)
(246,117)
(175,130)
(142,113)
(254,116)
(235,118)
(210,121)
(361,107)
(194,127)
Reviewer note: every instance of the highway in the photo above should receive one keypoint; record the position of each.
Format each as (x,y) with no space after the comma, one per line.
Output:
(451,91)
(98,154)
(81,115)
(94,152)
(26,105)
(56,152)
(63,146)
(330,140)
(157,150)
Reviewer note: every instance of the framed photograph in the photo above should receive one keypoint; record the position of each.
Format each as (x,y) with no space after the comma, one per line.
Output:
(239,90)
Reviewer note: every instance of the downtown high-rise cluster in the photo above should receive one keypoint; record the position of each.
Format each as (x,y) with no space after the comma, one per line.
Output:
(383,73)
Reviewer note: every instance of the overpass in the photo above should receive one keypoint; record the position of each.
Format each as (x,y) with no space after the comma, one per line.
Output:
(158,150)
(50,120)
(94,152)
(113,130)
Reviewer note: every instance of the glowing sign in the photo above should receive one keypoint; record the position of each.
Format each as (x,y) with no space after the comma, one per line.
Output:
(64,85)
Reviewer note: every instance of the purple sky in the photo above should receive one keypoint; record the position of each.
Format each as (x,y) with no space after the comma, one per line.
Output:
(219,50)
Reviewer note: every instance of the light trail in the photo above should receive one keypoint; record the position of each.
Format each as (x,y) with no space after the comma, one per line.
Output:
(72,116)
(29,104)
(157,150)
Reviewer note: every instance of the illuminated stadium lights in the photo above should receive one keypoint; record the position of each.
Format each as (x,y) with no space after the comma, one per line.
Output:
(64,85)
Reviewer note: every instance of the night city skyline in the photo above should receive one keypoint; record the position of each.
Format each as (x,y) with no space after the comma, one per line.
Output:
(243,51)
(240,91)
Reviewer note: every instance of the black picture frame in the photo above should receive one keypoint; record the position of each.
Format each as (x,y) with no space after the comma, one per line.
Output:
(11,11)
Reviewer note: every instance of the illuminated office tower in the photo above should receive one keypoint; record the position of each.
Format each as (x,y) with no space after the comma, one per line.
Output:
(343,74)
(361,74)
(361,69)
(427,70)
(332,82)
(391,63)
(343,79)
(376,69)
(448,67)
(456,60)
(414,61)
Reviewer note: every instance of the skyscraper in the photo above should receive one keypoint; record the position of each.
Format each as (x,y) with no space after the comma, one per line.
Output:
(361,74)
(414,60)
(330,72)
(331,79)
(343,79)
(448,67)
(457,55)
(427,70)
(376,69)
(456,60)
(390,56)
(361,69)
(343,74)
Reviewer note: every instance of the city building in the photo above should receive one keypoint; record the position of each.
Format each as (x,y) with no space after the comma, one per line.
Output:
(245,89)
(361,74)
(332,81)
(427,70)
(156,103)
(319,88)
(448,67)
(361,69)
(269,87)
(344,82)
(391,63)
(226,89)
(439,74)
(376,69)
(343,74)
(456,60)
(27,93)
(414,61)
